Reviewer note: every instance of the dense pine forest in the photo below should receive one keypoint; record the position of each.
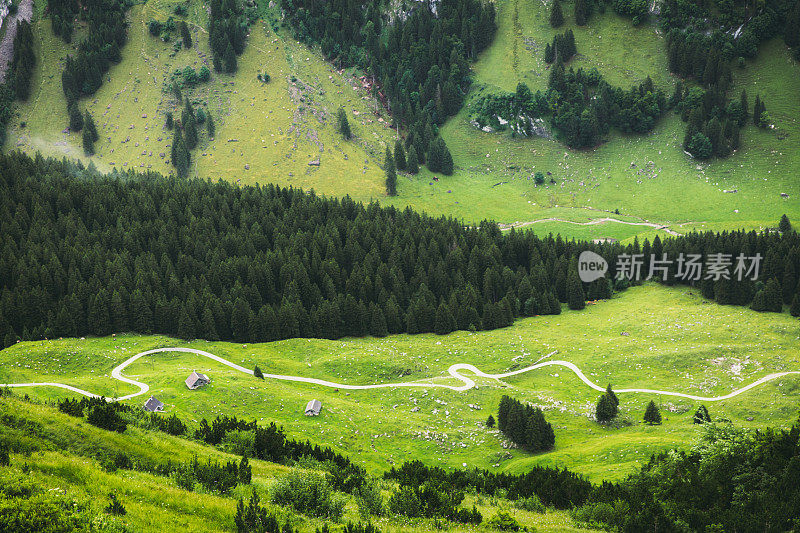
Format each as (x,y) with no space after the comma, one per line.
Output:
(84,254)
(419,57)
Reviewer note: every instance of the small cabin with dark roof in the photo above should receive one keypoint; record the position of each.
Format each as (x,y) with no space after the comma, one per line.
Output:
(196,380)
(153,405)
(313,408)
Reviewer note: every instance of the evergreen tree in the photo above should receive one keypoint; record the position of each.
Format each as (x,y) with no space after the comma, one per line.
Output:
(343,126)
(412,163)
(576,298)
(757,110)
(212,129)
(186,37)
(604,411)
(556,15)
(229,59)
(88,123)
(794,309)
(391,174)
(189,124)
(773,297)
(784,225)
(701,416)
(490,422)
(170,121)
(399,155)
(180,154)
(581,12)
(75,117)
(258,373)
(377,327)
(446,167)
(614,400)
(651,414)
(88,142)
(744,108)
(445,322)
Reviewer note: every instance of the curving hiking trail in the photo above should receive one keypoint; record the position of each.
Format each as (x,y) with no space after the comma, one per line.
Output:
(454,371)
(592,222)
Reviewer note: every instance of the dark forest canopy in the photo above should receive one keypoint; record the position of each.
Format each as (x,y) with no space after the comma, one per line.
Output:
(83,253)
(419,57)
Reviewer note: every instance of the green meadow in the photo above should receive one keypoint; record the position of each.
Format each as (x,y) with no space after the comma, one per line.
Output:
(647,337)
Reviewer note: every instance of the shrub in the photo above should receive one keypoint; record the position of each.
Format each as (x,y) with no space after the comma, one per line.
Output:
(308,493)
(154,27)
(532,504)
(370,499)
(504,522)
(115,507)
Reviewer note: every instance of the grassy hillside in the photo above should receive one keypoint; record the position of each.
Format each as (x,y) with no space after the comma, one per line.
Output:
(265,132)
(55,460)
(675,341)
(498,171)
(271,132)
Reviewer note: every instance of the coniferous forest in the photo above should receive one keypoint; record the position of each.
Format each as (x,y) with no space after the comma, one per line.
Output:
(84,254)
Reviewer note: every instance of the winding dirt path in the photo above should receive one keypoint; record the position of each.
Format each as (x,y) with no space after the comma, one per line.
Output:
(454,371)
(592,222)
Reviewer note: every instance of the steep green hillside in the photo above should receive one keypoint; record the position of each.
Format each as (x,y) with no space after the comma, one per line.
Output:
(647,337)
(61,472)
(270,132)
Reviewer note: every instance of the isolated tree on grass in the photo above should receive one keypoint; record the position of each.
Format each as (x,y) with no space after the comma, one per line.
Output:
(604,410)
(212,129)
(342,124)
(490,422)
(607,406)
(399,155)
(391,174)
(556,15)
(652,414)
(412,163)
(258,373)
(701,416)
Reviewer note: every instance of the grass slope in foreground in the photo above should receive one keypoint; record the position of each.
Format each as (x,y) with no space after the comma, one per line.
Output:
(676,341)
(56,455)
